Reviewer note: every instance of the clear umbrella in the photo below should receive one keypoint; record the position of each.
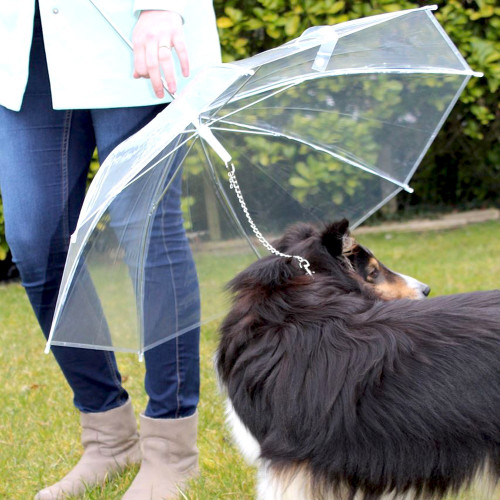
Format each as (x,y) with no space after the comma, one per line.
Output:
(332,124)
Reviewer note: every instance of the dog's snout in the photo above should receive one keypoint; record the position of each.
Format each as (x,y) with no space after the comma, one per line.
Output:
(418,289)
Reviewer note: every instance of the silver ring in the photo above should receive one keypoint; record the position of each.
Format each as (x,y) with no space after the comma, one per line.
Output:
(168,47)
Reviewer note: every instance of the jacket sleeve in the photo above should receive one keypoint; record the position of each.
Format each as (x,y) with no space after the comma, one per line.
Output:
(173,5)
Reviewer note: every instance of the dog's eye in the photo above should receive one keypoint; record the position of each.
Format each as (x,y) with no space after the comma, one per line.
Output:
(373,273)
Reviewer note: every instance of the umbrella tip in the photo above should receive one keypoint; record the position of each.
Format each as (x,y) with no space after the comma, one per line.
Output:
(47,348)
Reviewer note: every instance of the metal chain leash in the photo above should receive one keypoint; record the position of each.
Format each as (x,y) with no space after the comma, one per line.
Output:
(233,184)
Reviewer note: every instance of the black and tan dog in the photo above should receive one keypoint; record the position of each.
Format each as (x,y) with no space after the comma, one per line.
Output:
(340,387)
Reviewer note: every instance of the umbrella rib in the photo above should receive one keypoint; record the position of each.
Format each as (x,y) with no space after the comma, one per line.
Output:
(249,132)
(292,82)
(157,197)
(344,72)
(162,194)
(133,178)
(437,128)
(129,179)
(280,187)
(329,111)
(374,209)
(366,168)
(279,90)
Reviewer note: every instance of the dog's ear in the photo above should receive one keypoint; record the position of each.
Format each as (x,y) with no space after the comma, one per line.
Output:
(333,237)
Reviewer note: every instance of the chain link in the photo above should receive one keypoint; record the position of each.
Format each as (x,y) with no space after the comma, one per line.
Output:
(233,184)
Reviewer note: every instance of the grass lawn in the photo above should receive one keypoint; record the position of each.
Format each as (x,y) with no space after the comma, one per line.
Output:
(39,428)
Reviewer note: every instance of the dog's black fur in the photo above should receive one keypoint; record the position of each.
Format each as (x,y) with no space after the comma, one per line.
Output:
(371,396)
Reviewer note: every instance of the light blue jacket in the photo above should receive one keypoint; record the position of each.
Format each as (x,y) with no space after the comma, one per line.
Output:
(89,65)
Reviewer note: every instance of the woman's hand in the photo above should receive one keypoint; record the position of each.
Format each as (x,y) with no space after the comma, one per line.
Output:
(155,36)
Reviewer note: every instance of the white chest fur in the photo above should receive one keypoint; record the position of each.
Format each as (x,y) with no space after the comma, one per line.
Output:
(247,444)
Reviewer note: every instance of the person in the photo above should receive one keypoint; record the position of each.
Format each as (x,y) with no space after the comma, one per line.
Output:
(69,84)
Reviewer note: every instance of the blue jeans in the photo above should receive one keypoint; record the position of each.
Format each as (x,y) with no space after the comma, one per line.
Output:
(44,161)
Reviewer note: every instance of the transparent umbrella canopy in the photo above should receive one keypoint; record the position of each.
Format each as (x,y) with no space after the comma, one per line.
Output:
(332,124)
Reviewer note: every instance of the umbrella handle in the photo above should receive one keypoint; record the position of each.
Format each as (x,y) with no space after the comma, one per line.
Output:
(207,135)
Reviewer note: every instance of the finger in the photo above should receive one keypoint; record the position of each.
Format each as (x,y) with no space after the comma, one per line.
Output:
(153,68)
(140,69)
(167,66)
(181,51)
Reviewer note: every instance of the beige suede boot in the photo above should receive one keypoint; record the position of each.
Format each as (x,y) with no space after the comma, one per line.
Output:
(169,458)
(110,441)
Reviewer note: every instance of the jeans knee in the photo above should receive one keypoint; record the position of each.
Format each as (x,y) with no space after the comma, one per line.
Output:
(38,258)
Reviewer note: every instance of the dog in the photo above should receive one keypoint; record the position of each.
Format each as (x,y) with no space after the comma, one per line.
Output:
(340,386)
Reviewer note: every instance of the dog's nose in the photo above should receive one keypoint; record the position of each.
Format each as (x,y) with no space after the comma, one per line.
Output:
(427,290)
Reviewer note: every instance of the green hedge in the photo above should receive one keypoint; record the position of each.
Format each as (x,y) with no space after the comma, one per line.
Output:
(463,166)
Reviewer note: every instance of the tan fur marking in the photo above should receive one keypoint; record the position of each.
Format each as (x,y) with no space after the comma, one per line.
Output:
(348,245)
(397,288)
